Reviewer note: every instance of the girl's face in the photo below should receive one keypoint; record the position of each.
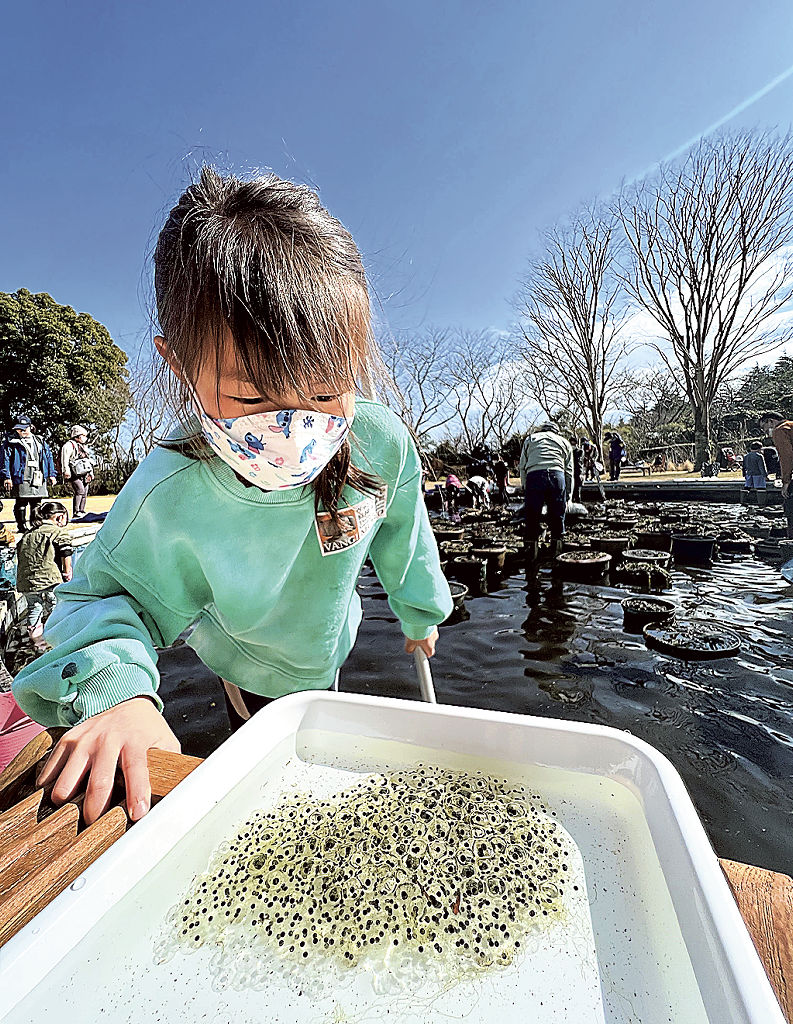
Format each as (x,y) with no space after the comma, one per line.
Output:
(224,394)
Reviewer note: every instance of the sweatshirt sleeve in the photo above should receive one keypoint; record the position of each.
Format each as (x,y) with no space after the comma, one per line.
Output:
(104,629)
(405,557)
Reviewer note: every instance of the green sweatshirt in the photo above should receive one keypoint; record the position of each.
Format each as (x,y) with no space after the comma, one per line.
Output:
(271,591)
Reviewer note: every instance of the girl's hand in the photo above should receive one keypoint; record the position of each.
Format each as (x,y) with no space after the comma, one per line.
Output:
(66,575)
(117,737)
(428,645)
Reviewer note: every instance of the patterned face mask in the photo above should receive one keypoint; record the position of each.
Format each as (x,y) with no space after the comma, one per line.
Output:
(276,450)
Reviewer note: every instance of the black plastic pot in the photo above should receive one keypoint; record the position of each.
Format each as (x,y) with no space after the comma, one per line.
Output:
(459,593)
(640,611)
(693,642)
(638,554)
(448,533)
(688,549)
(592,565)
(494,557)
(654,540)
(623,523)
(611,545)
(735,545)
(472,572)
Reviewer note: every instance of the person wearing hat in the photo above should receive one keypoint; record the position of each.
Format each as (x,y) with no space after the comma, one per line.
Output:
(27,467)
(76,468)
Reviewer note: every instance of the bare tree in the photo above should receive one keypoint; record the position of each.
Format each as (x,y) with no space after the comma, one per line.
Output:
(572,314)
(417,363)
(488,386)
(658,408)
(710,241)
(148,411)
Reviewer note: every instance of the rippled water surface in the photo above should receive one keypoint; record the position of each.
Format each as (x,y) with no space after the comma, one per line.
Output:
(546,647)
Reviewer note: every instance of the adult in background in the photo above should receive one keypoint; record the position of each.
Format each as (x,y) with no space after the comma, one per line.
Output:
(27,467)
(501,475)
(616,453)
(76,468)
(546,473)
(781,433)
(479,488)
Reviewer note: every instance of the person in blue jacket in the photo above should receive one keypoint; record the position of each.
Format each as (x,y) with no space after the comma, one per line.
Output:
(27,467)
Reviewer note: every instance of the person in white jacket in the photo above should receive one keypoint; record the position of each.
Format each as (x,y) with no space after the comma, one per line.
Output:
(76,468)
(546,473)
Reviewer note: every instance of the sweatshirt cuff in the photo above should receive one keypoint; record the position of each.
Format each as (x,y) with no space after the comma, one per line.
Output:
(414,632)
(110,686)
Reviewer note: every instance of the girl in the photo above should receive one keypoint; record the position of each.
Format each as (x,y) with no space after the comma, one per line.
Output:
(44,559)
(253,520)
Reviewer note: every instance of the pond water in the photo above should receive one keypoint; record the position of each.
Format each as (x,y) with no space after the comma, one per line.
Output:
(543,646)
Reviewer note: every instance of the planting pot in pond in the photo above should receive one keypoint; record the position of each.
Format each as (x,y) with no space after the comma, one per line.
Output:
(448,533)
(692,641)
(756,531)
(735,545)
(689,549)
(454,547)
(768,550)
(640,611)
(459,593)
(643,576)
(623,523)
(494,556)
(661,558)
(611,545)
(654,540)
(472,572)
(583,564)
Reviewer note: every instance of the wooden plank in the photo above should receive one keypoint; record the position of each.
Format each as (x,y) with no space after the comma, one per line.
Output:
(20,818)
(167,770)
(44,885)
(765,900)
(37,848)
(13,776)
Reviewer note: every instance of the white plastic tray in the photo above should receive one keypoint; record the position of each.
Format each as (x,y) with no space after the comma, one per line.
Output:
(670,942)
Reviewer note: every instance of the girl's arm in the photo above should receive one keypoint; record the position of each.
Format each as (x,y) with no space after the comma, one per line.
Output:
(405,557)
(66,567)
(101,675)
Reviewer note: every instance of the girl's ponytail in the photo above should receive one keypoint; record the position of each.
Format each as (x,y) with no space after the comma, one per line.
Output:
(47,510)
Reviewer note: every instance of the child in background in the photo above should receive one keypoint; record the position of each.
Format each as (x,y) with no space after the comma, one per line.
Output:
(253,520)
(755,472)
(44,559)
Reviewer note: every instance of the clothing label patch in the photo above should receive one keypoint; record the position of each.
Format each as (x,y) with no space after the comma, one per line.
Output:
(356,523)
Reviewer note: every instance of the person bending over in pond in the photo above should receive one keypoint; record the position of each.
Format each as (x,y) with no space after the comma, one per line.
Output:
(44,559)
(263,306)
(546,472)
(479,489)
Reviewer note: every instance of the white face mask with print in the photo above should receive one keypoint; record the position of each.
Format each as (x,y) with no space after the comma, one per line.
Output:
(276,450)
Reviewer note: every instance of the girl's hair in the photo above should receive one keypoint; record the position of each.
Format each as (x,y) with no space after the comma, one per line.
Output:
(47,510)
(263,262)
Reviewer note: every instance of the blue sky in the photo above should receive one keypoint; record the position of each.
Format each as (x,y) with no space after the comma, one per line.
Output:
(446,136)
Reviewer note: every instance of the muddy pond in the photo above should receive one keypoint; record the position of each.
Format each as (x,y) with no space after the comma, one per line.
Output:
(540,644)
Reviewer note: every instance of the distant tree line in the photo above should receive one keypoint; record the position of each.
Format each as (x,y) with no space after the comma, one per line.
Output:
(694,264)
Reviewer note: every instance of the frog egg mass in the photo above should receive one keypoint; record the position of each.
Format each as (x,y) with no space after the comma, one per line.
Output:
(435,870)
